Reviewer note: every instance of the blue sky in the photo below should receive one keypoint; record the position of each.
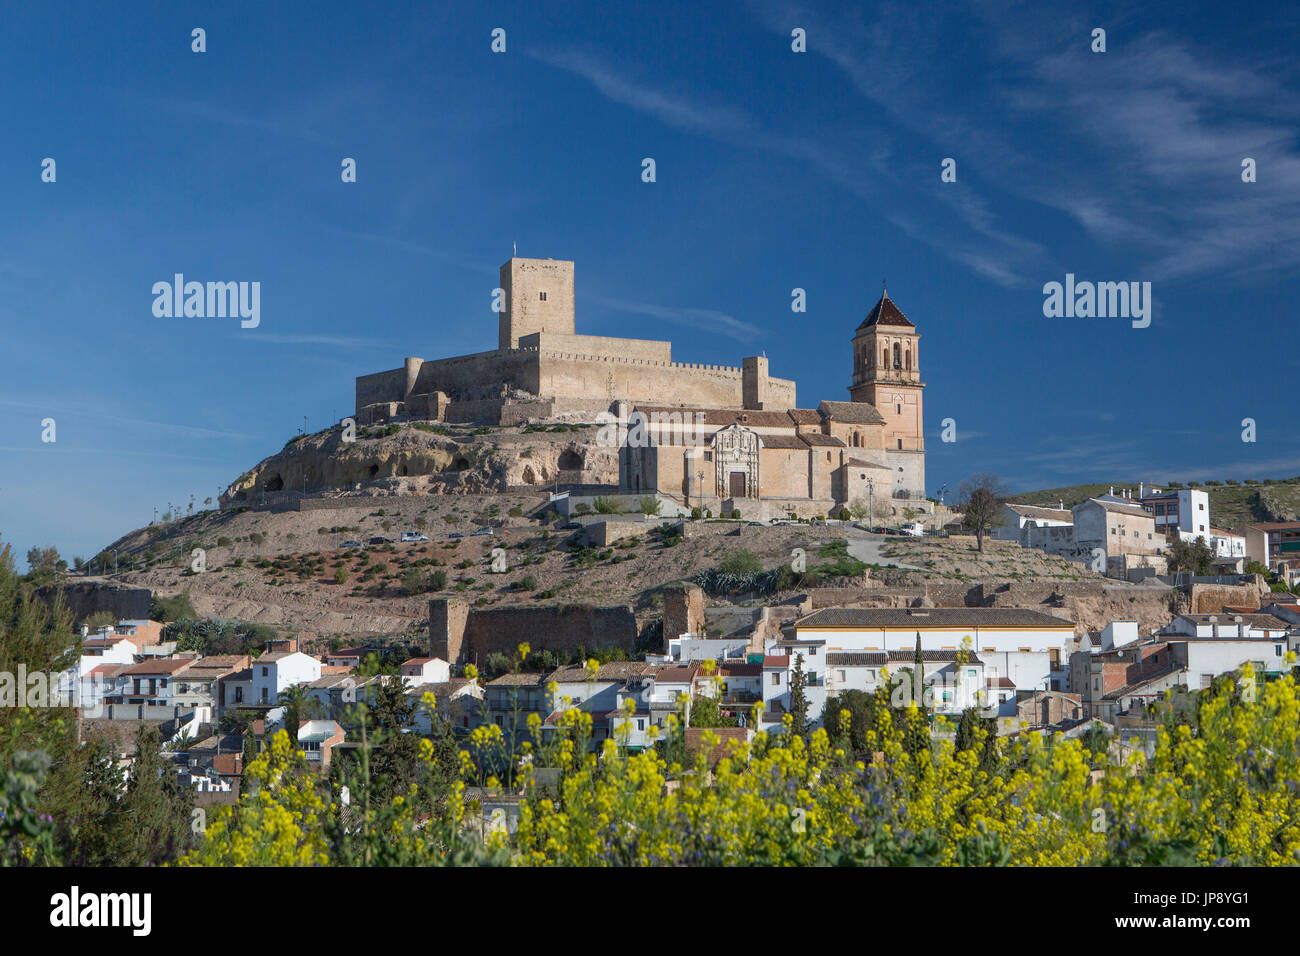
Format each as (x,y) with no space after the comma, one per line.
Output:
(775,170)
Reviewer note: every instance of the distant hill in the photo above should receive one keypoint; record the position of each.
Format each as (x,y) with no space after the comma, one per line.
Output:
(1230,505)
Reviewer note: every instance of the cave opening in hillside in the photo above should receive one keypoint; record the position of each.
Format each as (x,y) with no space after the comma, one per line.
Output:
(460,464)
(374,471)
(570,461)
(529,477)
(276,483)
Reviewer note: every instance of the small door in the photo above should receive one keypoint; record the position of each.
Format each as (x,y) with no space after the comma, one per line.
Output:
(737,484)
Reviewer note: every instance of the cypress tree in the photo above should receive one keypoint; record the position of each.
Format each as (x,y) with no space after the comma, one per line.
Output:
(798,700)
(918,674)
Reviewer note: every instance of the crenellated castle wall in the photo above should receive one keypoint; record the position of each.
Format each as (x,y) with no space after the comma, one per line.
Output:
(636,374)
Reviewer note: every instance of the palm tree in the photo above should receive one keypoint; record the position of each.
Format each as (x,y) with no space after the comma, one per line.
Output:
(298,706)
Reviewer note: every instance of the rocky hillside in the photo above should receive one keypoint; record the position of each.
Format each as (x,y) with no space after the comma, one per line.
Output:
(420,458)
(291,570)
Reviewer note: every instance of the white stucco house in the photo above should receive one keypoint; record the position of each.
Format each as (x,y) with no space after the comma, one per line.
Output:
(274,672)
(425,670)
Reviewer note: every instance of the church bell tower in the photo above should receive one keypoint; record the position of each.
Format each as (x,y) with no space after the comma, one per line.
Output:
(887,374)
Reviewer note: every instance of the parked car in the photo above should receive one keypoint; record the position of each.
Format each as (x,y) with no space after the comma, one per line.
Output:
(413,536)
(455,534)
(377,539)
(351,544)
(475,534)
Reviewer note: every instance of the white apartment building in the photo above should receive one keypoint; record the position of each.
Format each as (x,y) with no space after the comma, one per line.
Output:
(1185,512)
(1027,648)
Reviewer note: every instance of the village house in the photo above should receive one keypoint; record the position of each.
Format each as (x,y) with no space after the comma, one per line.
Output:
(1116,527)
(457,700)
(1025,645)
(1225,625)
(151,683)
(317,739)
(1183,513)
(1276,545)
(953,680)
(336,694)
(278,670)
(510,698)
(199,685)
(1018,522)
(742,687)
(425,670)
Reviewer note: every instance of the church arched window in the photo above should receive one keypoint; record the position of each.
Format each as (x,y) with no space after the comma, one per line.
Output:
(884,357)
(908,359)
(898,363)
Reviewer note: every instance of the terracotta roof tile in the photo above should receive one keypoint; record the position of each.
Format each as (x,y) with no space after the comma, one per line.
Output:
(823,441)
(789,442)
(852,413)
(885,313)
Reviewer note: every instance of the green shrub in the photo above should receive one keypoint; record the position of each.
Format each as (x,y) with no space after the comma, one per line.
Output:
(740,562)
(172,608)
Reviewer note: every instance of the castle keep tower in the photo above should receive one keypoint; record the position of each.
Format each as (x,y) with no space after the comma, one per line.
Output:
(887,374)
(538,298)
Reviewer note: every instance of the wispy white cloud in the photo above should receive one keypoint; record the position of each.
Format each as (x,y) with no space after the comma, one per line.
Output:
(673,110)
(80,412)
(333,341)
(226,116)
(1147,140)
(710,320)
(862,167)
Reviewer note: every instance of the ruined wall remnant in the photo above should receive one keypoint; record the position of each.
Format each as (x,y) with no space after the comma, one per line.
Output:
(462,635)
(683,610)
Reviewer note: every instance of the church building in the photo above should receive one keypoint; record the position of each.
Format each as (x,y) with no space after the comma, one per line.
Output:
(763,459)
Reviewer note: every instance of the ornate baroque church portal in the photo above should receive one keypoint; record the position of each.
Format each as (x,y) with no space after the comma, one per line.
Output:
(735,454)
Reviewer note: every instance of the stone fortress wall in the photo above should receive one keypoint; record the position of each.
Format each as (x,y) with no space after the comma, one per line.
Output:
(540,356)
(461,635)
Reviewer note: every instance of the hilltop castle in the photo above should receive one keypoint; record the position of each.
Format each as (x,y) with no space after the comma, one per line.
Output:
(759,445)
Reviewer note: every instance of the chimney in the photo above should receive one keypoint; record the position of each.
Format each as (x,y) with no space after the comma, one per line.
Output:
(1062,504)
(1142,489)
